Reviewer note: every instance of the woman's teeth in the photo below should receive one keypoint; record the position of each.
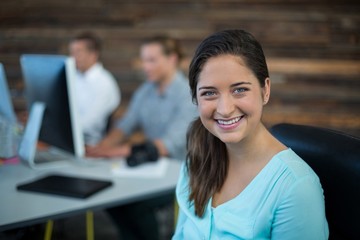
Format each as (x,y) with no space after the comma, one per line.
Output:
(229,122)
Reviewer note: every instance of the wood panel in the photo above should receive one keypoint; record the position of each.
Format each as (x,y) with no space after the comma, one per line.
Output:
(312,46)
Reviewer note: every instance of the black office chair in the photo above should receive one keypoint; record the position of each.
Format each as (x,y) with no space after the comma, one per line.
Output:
(335,157)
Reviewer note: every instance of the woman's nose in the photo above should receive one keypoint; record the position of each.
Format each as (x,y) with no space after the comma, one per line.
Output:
(225,106)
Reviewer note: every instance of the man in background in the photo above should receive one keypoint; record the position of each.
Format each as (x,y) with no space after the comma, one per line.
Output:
(162,108)
(97,91)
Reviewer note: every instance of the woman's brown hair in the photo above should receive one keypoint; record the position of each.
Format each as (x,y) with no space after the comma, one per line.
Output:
(207,158)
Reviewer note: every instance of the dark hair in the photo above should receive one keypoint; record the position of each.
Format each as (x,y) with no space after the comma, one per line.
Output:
(93,43)
(207,158)
(169,45)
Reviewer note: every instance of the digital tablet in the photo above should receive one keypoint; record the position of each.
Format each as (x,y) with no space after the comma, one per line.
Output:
(77,187)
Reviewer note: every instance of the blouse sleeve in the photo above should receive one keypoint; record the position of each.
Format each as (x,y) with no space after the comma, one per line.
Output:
(178,235)
(181,197)
(301,215)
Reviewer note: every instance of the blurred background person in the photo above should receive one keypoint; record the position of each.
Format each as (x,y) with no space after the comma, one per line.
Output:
(97,91)
(163,109)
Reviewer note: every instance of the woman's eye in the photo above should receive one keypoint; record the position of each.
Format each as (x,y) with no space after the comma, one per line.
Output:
(240,90)
(208,94)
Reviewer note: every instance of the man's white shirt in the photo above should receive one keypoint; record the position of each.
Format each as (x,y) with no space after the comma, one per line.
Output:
(97,95)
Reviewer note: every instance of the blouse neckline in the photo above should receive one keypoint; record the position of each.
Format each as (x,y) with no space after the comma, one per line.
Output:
(247,190)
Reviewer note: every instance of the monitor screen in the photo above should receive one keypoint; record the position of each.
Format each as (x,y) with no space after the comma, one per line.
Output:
(46,81)
(6,106)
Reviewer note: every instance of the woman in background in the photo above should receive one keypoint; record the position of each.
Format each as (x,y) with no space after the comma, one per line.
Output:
(240,182)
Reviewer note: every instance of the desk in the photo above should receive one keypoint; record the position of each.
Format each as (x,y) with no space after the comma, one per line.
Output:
(19,208)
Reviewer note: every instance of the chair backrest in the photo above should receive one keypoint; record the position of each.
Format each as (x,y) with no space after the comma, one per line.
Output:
(335,157)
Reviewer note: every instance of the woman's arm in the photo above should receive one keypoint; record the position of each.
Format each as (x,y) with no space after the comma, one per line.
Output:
(301,215)
(178,235)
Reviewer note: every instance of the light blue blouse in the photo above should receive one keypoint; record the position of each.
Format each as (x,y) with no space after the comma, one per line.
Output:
(284,201)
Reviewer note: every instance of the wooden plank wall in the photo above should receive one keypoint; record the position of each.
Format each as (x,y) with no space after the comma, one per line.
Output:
(312,46)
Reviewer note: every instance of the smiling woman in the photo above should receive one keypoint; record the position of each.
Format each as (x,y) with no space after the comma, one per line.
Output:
(234,104)
(240,182)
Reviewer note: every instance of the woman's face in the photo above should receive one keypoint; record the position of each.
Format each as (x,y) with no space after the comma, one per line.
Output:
(230,98)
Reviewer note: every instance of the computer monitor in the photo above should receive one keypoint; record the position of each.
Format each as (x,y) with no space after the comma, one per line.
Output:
(10,129)
(6,106)
(49,80)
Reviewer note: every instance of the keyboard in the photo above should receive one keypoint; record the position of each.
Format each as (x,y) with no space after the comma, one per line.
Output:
(49,156)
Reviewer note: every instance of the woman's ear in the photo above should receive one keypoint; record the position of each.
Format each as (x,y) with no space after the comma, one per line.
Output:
(266,91)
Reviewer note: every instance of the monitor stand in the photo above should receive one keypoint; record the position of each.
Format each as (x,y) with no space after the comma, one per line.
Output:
(27,149)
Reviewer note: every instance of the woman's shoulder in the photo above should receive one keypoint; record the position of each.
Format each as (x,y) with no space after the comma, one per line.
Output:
(183,181)
(292,174)
(182,187)
(294,164)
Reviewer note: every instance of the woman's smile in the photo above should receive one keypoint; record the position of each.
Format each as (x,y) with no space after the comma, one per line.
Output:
(229,124)
(230,98)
